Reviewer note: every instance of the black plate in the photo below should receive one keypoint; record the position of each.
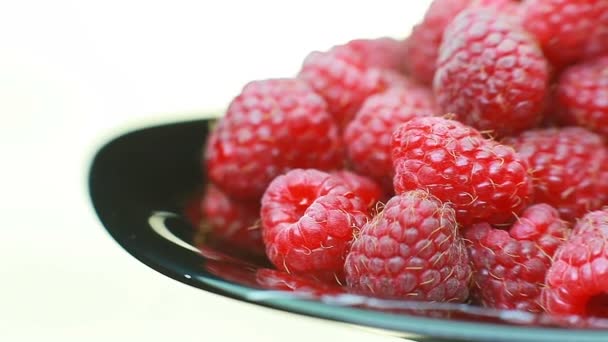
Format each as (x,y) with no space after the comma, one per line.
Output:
(140,182)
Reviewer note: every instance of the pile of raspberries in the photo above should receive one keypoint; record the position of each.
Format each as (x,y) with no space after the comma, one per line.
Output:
(466,163)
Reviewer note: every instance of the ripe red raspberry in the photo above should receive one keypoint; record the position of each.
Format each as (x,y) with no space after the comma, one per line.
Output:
(231,222)
(367,189)
(567,30)
(577,282)
(491,73)
(384,53)
(342,78)
(484,180)
(582,94)
(368,136)
(597,44)
(568,168)
(271,127)
(282,281)
(509,267)
(309,218)
(421,48)
(411,250)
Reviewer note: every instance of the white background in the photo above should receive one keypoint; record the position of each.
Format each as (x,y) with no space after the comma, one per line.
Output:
(76,73)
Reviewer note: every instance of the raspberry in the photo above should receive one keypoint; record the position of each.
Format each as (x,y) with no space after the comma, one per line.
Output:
(411,250)
(308,221)
(231,222)
(509,267)
(491,73)
(368,136)
(271,127)
(597,44)
(484,180)
(384,53)
(282,281)
(421,48)
(577,282)
(569,168)
(365,188)
(342,78)
(582,94)
(566,29)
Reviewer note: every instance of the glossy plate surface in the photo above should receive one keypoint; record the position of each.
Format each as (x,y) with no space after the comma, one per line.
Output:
(139,184)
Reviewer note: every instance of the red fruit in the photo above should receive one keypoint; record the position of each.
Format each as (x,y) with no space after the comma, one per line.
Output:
(582,95)
(509,267)
(342,77)
(231,222)
(367,189)
(491,73)
(271,127)
(390,78)
(368,136)
(411,250)
(567,30)
(577,282)
(309,218)
(597,44)
(384,53)
(282,281)
(421,48)
(484,180)
(569,168)
(192,209)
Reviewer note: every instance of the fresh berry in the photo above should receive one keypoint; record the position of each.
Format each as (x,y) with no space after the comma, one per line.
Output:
(384,53)
(509,267)
(421,48)
(192,209)
(390,78)
(491,73)
(568,166)
(271,127)
(368,136)
(577,282)
(566,29)
(484,180)
(367,189)
(582,94)
(231,222)
(282,281)
(342,78)
(309,218)
(411,250)
(597,44)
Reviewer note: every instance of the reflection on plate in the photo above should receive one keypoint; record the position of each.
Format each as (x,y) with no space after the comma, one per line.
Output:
(140,183)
